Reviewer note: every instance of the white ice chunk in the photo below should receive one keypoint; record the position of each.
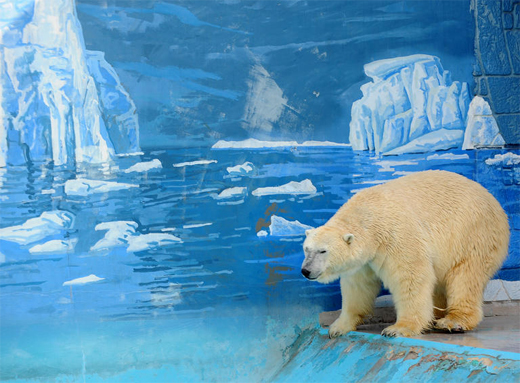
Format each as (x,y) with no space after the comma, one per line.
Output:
(322,143)
(196,225)
(145,166)
(83,281)
(117,234)
(294,188)
(441,139)
(35,229)
(447,156)
(193,163)
(151,241)
(262,233)
(508,159)
(56,246)
(240,170)
(234,192)
(252,143)
(85,187)
(280,227)
(481,129)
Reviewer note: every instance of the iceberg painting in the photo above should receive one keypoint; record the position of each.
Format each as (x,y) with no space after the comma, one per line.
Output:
(411,106)
(59,101)
(161,161)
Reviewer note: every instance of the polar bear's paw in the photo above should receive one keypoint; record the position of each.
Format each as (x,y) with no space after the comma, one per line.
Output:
(447,324)
(398,330)
(339,327)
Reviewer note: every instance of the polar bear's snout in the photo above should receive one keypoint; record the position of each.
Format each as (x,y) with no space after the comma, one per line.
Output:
(306,273)
(314,264)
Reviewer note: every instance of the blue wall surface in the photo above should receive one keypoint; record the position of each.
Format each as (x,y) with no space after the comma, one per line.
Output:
(189,65)
(155,185)
(497,52)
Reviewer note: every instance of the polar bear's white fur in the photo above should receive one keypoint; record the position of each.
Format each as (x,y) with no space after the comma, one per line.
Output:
(434,238)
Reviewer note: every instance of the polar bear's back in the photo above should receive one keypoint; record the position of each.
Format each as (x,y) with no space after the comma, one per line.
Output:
(451,215)
(432,195)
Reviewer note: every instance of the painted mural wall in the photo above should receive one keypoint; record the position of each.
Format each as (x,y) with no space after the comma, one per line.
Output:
(161,160)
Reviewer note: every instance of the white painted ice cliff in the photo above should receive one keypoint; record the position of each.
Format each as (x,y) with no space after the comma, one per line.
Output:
(293,188)
(411,105)
(482,129)
(33,230)
(58,101)
(280,227)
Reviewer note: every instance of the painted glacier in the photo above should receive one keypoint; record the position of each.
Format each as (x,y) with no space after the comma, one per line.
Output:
(58,101)
(411,105)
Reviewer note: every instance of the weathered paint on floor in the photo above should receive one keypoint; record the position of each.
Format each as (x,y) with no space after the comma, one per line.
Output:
(361,357)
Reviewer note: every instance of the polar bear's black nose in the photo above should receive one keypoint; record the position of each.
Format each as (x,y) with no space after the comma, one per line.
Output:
(306,273)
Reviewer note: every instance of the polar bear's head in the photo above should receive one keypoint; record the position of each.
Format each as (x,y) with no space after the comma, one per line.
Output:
(329,252)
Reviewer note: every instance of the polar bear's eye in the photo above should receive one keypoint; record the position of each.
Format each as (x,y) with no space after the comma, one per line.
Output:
(322,251)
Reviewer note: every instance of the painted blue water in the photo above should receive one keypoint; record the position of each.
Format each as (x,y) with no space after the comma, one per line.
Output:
(191,304)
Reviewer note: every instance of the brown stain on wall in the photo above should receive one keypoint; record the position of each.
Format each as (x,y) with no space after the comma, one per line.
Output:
(265,222)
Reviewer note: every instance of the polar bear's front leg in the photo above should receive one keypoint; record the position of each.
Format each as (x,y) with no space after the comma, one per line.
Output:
(358,293)
(412,294)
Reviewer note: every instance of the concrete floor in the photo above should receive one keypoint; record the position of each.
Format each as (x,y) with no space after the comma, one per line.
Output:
(500,329)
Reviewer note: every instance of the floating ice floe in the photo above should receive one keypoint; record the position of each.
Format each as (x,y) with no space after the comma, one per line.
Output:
(447,156)
(83,281)
(508,159)
(262,233)
(193,163)
(48,224)
(56,246)
(144,166)
(151,241)
(410,106)
(293,188)
(280,227)
(234,192)
(84,187)
(117,234)
(482,129)
(240,170)
(252,143)
(196,225)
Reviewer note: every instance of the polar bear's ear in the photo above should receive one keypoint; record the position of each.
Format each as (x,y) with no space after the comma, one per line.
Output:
(307,232)
(348,238)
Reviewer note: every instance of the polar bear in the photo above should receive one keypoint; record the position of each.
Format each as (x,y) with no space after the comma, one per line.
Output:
(434,238)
